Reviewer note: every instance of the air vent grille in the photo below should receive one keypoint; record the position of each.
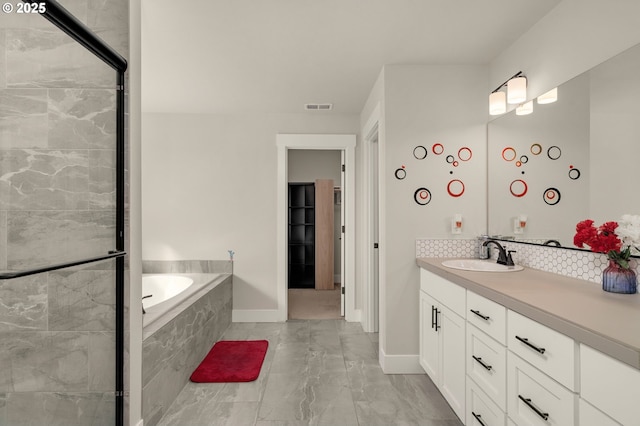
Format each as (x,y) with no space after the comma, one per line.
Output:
(318,107)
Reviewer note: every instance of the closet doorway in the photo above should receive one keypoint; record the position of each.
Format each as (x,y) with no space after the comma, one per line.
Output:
(291,145)
(314,234)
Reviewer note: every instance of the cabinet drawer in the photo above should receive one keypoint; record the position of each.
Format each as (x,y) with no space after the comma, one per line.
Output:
(488,316)
(591,416)
(449,294)
(535,399)
(481,411)
(550,351)
(487,365)
(610,385)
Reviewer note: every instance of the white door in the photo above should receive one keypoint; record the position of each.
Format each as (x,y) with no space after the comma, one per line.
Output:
(342,234)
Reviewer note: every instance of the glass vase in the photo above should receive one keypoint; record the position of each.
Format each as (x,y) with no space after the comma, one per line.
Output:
(618,280)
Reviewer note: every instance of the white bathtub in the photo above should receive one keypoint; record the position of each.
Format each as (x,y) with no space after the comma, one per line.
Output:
(172,294)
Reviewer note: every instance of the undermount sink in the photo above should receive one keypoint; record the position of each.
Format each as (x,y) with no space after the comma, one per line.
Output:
(480,265)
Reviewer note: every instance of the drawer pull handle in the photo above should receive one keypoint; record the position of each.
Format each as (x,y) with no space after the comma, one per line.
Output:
(532,346)
(479,419)
(527,401)
(438,326)
(433,316)
(484,317)
(479,361)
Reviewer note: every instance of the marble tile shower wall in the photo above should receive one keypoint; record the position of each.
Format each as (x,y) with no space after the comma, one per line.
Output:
(579,264)
(57,203)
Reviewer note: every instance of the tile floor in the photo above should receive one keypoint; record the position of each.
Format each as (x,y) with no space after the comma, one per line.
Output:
(316,372)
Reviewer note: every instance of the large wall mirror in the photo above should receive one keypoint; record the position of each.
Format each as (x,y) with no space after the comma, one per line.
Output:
(577,158)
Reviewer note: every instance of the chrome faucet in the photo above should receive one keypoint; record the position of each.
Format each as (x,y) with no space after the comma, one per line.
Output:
(504,257)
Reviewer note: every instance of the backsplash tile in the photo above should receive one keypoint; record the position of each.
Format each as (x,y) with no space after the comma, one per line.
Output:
(584,265)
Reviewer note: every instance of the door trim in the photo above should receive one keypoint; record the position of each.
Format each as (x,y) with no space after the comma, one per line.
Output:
(347,144)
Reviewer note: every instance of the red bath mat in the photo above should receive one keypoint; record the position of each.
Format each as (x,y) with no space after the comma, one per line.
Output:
(232,361)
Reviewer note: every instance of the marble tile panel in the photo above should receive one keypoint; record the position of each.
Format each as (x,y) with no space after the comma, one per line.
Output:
(60,409)
(102,361)
(3,409)
(319,400)
(325,341)
(43,361)
(23,303)
(420,396)
(3,238)
(295,332)
(43,237)
(46,57)
(23,118)
(388,412)
(368,382)
(82,300)
(219,414)
(3,62)
(82,118)
(102,179)
(291,358)
(357,347)
(44,179)
(14,20)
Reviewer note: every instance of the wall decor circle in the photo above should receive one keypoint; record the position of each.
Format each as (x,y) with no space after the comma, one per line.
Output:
(455,188)
(401,173)
(450,159)
(437,148)
(551,196)
(524,159)
(518,163)
(464,154)
(420,152)
(574,174)
(455,163)
(554,152)
(536,149)
(518,188)
(422,196)
(508,154)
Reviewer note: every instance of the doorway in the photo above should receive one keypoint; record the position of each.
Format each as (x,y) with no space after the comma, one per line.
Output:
(345,144)
(314,234)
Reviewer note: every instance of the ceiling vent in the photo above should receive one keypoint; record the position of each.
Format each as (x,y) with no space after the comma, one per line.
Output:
(318,107)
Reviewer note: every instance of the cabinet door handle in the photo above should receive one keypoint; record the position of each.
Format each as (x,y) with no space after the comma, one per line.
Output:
(438,326)
(479,361)
(527,401)
(479,419)
(484,317)
(531,345)
(433,316)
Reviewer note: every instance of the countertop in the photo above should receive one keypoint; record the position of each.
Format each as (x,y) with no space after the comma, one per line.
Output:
(579,309)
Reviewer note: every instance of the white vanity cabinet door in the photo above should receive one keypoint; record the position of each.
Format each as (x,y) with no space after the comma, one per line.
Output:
(429,338)
(591,416)
(488,316)
(487,365)
(534,399)
(481,410)
(452,340)
(449,294)
(548,350)
(610,385)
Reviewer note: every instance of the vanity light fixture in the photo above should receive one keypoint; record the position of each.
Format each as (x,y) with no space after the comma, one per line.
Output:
(516,93)
(525,108)
(549,97)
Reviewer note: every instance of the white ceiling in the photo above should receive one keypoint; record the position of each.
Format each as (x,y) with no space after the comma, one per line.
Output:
(220,56)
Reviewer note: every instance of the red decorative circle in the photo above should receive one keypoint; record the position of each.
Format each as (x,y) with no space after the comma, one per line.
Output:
(518,163)
(464,154)
(437,148)
(455,163)
(518,188)
(508,154)
(455,192)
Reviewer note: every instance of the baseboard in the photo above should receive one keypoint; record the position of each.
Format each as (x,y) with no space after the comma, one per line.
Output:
(255,315)
(400,364)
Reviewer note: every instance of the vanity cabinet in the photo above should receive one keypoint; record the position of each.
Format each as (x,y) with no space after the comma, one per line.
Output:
(442,337)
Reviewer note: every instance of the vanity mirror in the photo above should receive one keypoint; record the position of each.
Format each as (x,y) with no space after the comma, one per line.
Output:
(569,160)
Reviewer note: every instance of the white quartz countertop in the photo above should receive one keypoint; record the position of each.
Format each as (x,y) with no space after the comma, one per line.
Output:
(579,309)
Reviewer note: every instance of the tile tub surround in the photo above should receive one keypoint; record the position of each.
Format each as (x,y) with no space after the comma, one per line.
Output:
(584,265)
(171,353)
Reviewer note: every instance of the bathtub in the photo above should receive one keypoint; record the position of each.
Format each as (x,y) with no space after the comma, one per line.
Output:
(172,294)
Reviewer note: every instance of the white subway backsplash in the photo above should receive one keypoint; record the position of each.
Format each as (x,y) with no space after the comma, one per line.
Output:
(584,265)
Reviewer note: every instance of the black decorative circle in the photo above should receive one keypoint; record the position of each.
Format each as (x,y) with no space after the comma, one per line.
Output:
(422,196)
(554,152)
(551,196)
(450,159)
(574,174)
(420,152)
(524,159)
(401,173)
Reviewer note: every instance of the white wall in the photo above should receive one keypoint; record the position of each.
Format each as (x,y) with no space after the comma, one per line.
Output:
(209,186)
(424,105)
